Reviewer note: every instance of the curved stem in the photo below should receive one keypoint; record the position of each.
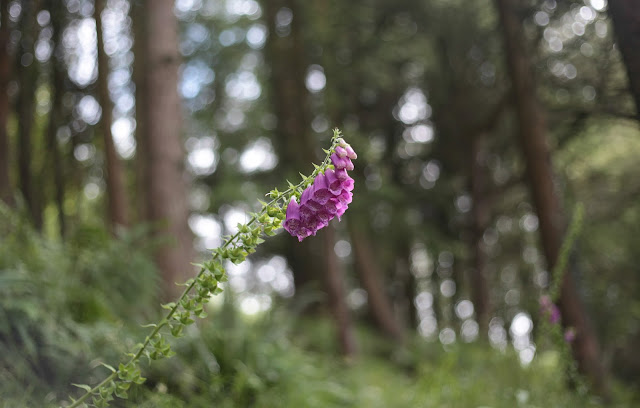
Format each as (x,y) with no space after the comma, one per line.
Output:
(285,196)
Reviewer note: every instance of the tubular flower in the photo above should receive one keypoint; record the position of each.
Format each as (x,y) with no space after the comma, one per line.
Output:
(326,198)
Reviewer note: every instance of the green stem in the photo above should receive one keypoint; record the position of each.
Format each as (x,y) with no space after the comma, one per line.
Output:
(557,274)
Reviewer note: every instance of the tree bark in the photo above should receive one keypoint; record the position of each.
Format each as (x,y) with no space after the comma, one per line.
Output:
(533,140)
(291,98)
(116,191)
(480,214)
(27,78)
(286,55)
(163,158)
(140,61)
(6,193)
(371,279)
(625,15)
(55,115)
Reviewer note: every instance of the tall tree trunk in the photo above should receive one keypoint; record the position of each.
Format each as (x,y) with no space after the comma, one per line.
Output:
(27,78)
(139,31)
(55,116)
(291,107)
(626,24)
(408,287)
(336,293)
(288,71)
(116,192)
(286,55)
(161,115)
(480,214)
(371,279)
(6,193)
(533,139)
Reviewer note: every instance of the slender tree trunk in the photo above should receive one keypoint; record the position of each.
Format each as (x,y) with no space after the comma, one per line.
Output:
(116,191)
(371,279)
(55,116)
(161,115)
(6,193)
(288,72)
(27,78)
(286,54)
(336,293)
(481,216)
(140,61)
(409,290)
(533,138)
(626,24)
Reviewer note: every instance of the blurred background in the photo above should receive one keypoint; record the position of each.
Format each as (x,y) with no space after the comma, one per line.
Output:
(135,134)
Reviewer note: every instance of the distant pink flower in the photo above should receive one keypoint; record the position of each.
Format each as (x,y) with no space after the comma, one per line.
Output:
(548,308)
(327,197)
(570,335)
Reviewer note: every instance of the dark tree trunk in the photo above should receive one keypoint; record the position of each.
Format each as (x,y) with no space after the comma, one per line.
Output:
(116,191)
(290,104)
(336,293)
(371,279)
(290,96)
(285,52)
(140,61)
(408,310)
(533,139)
(27,78)
(626,24)
(162,123)
(6,193)
(480,213)
(55,116)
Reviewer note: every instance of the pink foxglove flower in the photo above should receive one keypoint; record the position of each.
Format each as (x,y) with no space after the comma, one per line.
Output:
(326,198)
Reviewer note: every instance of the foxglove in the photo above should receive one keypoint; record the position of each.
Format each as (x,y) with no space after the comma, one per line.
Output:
(328,196)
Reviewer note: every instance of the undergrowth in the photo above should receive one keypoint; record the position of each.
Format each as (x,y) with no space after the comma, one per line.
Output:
(55,329)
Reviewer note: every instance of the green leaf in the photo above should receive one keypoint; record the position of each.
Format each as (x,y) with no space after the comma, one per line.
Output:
(140,380)
(113,370)
(83,386)
(176,331)
(121,394)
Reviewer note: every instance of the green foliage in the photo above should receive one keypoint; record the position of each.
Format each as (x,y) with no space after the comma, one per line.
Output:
(63,305)
(264,363)
(227,361)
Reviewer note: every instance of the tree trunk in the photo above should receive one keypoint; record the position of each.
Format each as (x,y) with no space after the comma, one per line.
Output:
(116,191)
(408,288)
(371,279)
(481,216)
(55,115)
(626,24)
(162,122)
(291,98)
(27,78)
(6,193)
(139,63)
(533,139)
(286,55)
(336,294)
